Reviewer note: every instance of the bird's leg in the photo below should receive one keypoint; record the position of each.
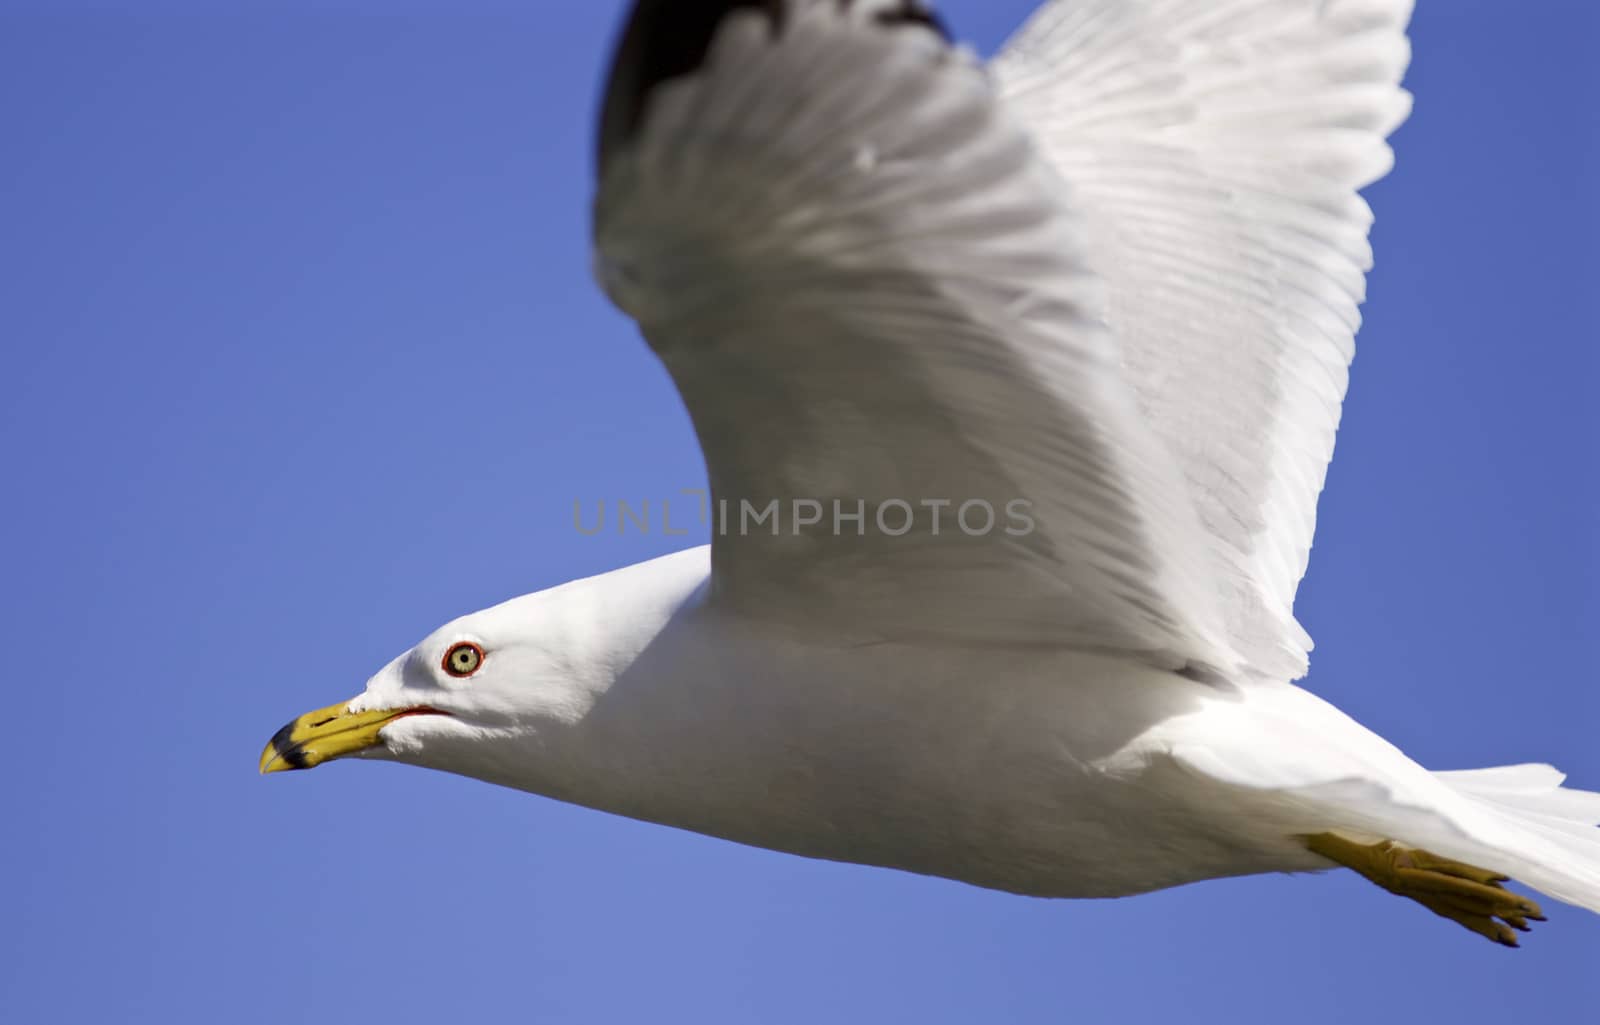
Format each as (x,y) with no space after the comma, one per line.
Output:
(1462,893)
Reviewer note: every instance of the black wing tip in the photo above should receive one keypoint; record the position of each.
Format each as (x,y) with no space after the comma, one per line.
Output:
(912,12)
(666,39)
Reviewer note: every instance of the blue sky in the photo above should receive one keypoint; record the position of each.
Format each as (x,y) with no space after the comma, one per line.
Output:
(303,359)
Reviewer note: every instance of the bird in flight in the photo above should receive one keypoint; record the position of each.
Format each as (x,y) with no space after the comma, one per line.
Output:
(1017,385)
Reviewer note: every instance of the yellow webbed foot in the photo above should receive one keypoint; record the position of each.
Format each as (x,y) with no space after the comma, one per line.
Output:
(1470,896)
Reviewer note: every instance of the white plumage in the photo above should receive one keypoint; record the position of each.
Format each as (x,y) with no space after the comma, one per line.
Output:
(866,284)
(1216,150)
(1114,277)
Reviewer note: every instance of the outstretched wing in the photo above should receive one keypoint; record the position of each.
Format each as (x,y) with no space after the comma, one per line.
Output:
(1215,148)
(871,291)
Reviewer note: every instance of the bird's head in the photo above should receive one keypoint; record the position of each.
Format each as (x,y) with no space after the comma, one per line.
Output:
(500,694)
(469,688)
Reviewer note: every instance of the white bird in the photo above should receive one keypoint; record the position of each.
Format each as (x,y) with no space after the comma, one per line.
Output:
(1017,386)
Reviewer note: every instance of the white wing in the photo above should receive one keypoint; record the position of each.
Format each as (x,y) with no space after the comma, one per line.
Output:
(868,287)
(1215,148)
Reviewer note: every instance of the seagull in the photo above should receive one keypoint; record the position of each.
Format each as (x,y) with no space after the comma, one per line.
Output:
(1016,384)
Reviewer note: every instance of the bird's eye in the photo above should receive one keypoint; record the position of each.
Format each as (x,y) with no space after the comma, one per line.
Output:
(463,660)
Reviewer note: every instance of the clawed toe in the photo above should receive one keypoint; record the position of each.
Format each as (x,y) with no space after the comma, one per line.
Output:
(1410,857)
(1467,895)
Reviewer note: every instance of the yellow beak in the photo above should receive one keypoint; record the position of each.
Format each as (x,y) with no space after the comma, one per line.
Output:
(329,733)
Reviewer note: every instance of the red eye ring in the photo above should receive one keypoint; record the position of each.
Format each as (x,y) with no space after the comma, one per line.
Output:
(462,660)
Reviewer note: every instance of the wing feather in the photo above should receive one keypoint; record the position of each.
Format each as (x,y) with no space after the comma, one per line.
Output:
(1215,148)
(869,288)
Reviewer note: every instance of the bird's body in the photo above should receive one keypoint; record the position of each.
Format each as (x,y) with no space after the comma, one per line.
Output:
(1101,296)
(944,760)
(1048,773)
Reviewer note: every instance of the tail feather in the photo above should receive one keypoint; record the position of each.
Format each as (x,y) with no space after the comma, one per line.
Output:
(1302,768)
(1547,838)
(1532,789)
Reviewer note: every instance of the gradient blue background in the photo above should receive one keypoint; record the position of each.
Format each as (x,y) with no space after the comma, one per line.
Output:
(302,359)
